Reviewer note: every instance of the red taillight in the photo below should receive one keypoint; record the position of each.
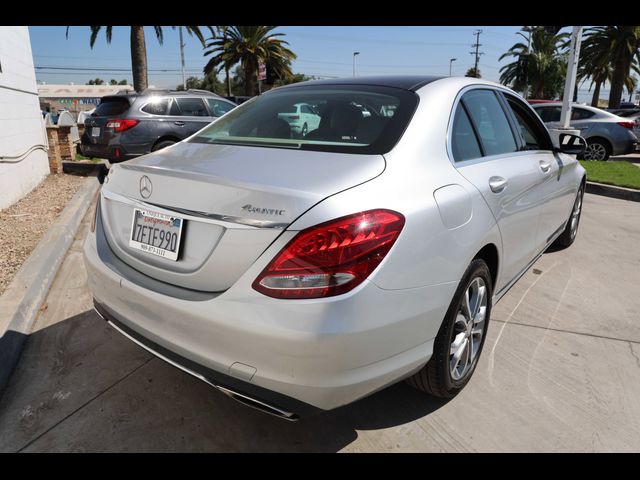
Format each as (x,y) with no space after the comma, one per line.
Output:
(629,125)
(122,125)
(331,258)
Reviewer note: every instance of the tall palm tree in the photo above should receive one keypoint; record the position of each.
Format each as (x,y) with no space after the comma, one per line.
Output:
(621,45)
(139,49)
(249,45)
(222,32)
(608,54)
(546,66)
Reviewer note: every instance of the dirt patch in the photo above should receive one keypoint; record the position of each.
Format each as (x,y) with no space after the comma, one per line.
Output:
(23,224)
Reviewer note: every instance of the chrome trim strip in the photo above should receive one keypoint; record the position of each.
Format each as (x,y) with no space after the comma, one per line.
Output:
(244,399)
(196,215)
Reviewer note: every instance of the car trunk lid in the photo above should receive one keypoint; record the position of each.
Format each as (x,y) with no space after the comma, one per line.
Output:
(234,200)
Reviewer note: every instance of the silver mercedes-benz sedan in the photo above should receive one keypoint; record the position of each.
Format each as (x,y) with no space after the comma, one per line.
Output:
(298,273)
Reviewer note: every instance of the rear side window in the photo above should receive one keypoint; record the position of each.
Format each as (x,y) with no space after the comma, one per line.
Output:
(581,114)
(490,122)
(192,107)
(157,107)
(464,144)
(549,114)
(110,106)
(218,108)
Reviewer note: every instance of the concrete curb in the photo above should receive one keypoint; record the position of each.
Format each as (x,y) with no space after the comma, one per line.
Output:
(21,301)
(614,192)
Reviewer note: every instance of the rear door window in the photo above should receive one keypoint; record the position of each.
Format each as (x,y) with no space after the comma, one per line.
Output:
(218,107)
(192,107)
(490,122)
(464,143)
(110,106)
(581,114)
(549,114)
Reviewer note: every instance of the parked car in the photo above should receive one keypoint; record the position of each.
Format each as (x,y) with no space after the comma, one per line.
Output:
(127,125)
(606,134)
(298,274)
(301,117)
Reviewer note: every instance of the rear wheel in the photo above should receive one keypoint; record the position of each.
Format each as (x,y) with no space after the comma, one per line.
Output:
(305,129)
(571,230)
(459,342)
(597,150)
(162,144)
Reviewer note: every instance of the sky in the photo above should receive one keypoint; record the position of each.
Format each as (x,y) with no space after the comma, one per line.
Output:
(322,51)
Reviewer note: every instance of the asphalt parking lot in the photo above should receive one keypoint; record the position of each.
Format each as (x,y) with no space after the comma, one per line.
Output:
(560,372)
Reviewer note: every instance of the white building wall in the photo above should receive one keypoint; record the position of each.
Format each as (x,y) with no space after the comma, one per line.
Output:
(21,126)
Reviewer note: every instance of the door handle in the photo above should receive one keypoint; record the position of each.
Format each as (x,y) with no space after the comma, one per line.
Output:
(180,124)
(545,166)
(497,184)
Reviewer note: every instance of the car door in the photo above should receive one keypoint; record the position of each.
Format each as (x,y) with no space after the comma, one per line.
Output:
(556,189)
(486,151)
(193,115)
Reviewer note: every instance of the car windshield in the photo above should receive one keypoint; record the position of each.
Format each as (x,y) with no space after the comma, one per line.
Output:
(111,106)
(335,118)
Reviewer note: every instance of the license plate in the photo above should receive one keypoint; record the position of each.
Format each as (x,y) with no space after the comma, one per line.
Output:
(95,131)
(156,233)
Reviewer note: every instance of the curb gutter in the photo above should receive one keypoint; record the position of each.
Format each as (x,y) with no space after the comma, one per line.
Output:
(21,301)
(614,192)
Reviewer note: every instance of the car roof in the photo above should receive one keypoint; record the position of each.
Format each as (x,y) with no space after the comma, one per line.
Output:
(174,93)
(406,82)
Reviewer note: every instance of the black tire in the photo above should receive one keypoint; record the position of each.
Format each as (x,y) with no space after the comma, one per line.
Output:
(304,130)
(162,144)
(569,235)
(435,377)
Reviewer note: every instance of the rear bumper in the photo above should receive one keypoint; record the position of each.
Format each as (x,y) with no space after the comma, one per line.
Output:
(271,402)
(115,150)
(296,355)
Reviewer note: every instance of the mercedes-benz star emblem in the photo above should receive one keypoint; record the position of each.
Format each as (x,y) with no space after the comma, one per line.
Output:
(146,187)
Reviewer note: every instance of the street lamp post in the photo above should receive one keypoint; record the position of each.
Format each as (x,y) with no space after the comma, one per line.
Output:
(450,64)
(354,62)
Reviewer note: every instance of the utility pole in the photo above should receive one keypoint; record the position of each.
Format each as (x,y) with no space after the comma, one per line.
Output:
(354,62)
(451,63)
(184,79)
(477,46)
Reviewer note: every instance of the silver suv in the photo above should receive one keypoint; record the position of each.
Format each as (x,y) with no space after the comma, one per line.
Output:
(126,125)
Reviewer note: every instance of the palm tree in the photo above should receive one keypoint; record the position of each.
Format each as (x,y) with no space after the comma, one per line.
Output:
(619,46)
(139,50)
(546,66)
(599,56)
(473,72)
(249,46)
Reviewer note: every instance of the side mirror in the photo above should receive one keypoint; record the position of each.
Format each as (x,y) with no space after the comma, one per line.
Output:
(571,144)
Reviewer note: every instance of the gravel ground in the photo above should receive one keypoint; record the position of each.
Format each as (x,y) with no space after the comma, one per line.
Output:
(25,222)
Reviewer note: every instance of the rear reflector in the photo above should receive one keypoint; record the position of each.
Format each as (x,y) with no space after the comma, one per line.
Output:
(629,125)
(122,125)
(331,258)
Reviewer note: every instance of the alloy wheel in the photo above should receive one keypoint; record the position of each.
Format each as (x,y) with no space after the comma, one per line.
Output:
(595,151)
(575,214)
(468,329)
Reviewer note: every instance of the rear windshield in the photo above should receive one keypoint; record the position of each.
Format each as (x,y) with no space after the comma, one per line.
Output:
(111,106)
(340,118)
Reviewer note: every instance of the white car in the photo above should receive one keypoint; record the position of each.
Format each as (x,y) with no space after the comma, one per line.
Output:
(302,274)
(302,118)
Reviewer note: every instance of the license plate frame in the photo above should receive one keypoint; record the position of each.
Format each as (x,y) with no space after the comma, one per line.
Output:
(155,219)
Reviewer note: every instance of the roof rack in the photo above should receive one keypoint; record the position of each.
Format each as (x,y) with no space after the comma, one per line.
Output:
(198,90)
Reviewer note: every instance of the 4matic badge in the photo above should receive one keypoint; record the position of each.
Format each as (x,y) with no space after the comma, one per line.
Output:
(264,211)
